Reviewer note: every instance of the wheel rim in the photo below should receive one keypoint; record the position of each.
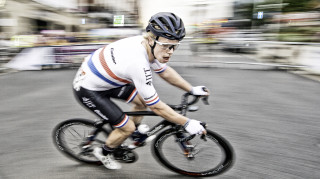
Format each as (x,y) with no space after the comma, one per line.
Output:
(71,136)
(209,157)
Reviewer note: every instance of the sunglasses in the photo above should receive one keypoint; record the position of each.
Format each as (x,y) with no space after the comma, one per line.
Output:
(167,46)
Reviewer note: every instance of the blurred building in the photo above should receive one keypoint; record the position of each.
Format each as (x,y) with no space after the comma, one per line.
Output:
(33,16)
(193,12)
(103,11)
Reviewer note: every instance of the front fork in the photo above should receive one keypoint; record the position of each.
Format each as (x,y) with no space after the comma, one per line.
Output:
(187,147)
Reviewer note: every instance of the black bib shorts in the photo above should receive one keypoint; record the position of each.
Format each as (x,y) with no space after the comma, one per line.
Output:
(99,103)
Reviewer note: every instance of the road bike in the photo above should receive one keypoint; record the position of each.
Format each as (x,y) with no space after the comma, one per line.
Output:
(173,147)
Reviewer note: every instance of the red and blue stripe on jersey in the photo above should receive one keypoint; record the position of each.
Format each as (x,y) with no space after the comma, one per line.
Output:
(161,69)
(115,80)
(123,122)
(153,100)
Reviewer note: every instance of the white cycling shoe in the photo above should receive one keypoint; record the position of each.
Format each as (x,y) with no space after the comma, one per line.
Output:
(107,161)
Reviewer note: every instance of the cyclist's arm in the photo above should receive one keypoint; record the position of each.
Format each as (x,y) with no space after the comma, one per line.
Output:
(142,78)
(172,77)
(168,113)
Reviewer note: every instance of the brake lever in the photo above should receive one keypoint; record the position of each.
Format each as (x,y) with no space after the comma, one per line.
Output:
(205,100)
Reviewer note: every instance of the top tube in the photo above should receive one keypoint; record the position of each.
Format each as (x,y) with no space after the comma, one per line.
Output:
(180,107)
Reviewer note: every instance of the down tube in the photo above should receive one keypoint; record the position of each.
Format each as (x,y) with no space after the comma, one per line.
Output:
(158,127)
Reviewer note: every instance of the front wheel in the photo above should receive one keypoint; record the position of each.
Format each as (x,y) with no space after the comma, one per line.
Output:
(196,157)
(71,135)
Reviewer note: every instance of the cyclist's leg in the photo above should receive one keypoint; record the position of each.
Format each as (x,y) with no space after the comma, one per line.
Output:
(138,105)
(99,102)
(129,94)
(119,135)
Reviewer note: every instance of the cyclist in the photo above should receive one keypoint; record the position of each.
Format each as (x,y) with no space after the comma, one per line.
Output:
(122,70)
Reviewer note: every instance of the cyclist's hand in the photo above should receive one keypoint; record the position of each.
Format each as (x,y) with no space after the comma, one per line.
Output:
(200,91)
(194,127)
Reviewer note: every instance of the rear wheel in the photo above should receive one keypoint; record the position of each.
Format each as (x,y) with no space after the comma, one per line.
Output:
(71,135)
(196,157)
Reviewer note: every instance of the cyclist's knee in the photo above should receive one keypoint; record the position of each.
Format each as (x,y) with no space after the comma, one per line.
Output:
(126,125)
(129,128)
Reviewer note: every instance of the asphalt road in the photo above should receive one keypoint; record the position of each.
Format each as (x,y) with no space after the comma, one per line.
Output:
(270,117)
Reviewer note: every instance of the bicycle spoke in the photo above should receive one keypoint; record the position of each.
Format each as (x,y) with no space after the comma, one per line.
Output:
(75,144)
(76,147)
(70,136)
(73,138)
(75,132)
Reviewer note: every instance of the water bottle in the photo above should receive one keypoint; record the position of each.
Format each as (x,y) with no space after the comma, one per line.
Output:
(143,128)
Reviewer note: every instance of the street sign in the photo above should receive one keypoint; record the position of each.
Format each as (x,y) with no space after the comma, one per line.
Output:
(118,20)
(260,15)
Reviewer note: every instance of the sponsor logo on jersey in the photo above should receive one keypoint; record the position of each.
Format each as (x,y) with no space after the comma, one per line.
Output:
(100,114)
(152,99)
(148,74)
(122,91)
(112,56)
(88,102)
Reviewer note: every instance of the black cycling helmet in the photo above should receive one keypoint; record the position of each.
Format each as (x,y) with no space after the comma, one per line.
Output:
(167,25)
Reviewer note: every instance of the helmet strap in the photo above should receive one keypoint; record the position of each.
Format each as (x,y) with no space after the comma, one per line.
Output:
(153,46)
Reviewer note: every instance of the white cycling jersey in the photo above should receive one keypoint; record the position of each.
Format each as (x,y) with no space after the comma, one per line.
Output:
(117,64)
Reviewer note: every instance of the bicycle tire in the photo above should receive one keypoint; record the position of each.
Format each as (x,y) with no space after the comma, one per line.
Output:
(205,163)
(68,136)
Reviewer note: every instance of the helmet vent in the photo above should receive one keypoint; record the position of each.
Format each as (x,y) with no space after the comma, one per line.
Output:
(164,23)
(156,26)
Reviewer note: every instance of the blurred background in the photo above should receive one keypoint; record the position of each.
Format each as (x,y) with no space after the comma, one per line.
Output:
(270,116)
(285,32)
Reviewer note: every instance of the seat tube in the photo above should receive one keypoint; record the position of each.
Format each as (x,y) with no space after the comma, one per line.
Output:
(98,125)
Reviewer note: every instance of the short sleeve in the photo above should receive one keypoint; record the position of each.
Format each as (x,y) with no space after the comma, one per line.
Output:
(142,78)
(158,67)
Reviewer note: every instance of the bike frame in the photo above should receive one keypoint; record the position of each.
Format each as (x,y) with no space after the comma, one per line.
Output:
(156,128)
(163,124)
(183,108)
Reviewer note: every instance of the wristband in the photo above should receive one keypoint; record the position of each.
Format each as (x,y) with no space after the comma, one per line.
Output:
(186,124)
